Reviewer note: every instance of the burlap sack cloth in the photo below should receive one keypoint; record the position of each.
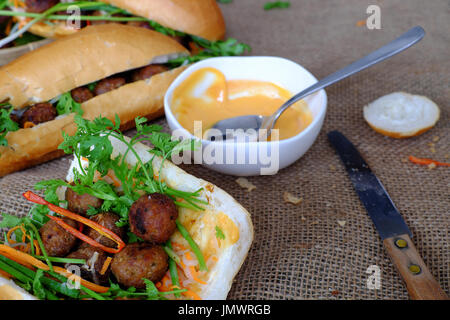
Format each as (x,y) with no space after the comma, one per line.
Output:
(322,248)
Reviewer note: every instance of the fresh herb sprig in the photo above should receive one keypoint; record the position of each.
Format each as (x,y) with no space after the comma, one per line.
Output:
(92,142)
(277,5)
(66,104)
(6,123)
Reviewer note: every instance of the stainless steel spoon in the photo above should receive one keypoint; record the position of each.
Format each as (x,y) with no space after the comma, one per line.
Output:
(258,122)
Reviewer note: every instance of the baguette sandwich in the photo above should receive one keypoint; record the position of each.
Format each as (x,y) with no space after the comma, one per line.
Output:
(189,22)
(102,70)
(177,236)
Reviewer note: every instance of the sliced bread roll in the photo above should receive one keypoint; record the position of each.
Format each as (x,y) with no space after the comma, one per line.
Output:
(401,115)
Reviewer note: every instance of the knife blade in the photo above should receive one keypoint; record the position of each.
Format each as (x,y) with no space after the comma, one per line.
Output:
(373,195)
(388,221)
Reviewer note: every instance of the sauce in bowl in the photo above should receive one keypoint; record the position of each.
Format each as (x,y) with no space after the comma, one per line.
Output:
(207,96)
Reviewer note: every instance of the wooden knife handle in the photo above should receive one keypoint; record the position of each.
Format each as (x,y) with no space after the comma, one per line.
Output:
(419,281)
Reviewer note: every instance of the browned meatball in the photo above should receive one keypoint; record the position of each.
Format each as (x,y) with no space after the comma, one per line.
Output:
(39,6)
(57,241)
(148,72)
(95,259)
(137,261)
(107,220)
(152,217)
(80,203)
(108,84)
(38,113)
(82,94)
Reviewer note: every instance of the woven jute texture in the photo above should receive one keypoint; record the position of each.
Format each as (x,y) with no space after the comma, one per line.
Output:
(322,248)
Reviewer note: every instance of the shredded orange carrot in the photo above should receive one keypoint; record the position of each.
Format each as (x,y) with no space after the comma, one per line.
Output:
(178,246)
(26,260)
(191,294)
(5,274)
(113,177)
(188,255)
(426,162)
(195,275)
(13,258)
(105,265)
(22,257)
(360,23)
(10,232)
(8,27)
(28,125)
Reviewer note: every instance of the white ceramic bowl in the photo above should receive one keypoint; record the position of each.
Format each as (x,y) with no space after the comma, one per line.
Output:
(260,157)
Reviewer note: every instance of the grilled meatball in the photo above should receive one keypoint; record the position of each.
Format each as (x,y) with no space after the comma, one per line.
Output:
(57,241)
(38,113)
(80,203)
(39,6)
(95,258)
(137,261)
(148,72)
(152,217)
(108,84)
(107,220)
(81,94)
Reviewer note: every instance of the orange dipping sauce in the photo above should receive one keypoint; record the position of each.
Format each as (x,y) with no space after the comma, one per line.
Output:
(208,97)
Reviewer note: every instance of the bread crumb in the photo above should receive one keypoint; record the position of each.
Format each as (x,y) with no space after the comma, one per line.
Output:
(245,184)
(432,166)
(303,218)
(360,23)
(290,198)
(332,168)
(436,139)
(341,223)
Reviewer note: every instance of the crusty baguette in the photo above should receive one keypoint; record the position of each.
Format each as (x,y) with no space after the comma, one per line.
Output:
(28,147)
(11,291)
(401,115)
(223,211)
(201,224)
(92,54)
(202,18)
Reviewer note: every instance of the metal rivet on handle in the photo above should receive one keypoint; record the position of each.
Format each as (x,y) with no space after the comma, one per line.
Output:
(415,269)
(401,243)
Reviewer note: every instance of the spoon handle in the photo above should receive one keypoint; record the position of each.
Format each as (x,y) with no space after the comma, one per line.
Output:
(403,42)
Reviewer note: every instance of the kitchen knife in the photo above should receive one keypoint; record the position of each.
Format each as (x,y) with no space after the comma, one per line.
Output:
(389,223)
